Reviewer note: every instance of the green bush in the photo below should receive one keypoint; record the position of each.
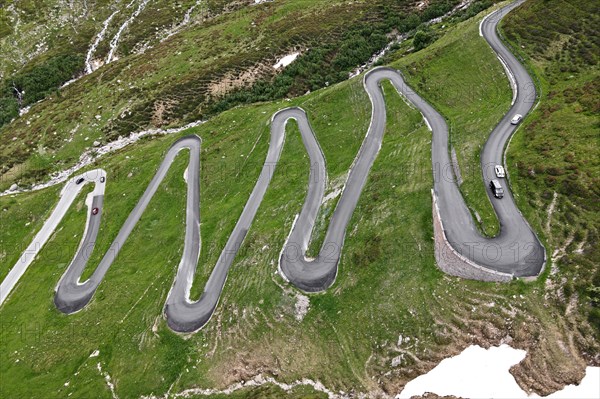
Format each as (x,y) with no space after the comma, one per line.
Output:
(421,40)
(47,77)
(436,10)
(36,83)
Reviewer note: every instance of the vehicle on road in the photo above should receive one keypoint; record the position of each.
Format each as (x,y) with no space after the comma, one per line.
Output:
(499,169)
(310,275)
(79,181)
(496,189)
(516,119)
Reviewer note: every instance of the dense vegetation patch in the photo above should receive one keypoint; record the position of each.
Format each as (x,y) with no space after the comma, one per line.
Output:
(34,84)
(330,59)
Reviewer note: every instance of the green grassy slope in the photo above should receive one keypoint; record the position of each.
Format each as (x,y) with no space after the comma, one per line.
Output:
(250,282)
(473,96)
(390,315)
(555,157)
(45,43)
(20,219)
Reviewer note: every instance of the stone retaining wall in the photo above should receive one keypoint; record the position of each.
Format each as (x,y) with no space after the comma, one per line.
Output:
(455,264)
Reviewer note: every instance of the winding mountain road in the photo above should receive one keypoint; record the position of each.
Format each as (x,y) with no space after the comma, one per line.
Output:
(515,251)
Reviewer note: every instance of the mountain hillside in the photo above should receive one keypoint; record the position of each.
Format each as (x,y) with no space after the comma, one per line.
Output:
(163,70)
(168,64)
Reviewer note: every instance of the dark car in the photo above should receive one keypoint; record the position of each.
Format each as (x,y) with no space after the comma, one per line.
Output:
(496,188)
(95,211)
(79,181)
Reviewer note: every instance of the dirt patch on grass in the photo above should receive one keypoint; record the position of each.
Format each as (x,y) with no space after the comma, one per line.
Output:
(161,108)
(234,80)
(245,366)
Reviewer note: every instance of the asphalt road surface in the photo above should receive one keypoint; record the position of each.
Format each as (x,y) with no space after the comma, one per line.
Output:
(516,250)
(67,196)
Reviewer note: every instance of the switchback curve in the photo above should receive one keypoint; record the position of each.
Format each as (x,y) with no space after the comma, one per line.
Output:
(517,248)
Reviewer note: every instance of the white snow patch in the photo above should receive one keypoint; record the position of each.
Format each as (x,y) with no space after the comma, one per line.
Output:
(484,373)
(302,305)
(287,60)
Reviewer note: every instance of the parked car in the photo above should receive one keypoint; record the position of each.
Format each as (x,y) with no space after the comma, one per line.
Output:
(102,179)
(516,119)
(496,188)
(95,211)
(499,169)
(79,181)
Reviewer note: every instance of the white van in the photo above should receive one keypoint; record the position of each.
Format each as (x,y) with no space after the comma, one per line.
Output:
(496,189)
